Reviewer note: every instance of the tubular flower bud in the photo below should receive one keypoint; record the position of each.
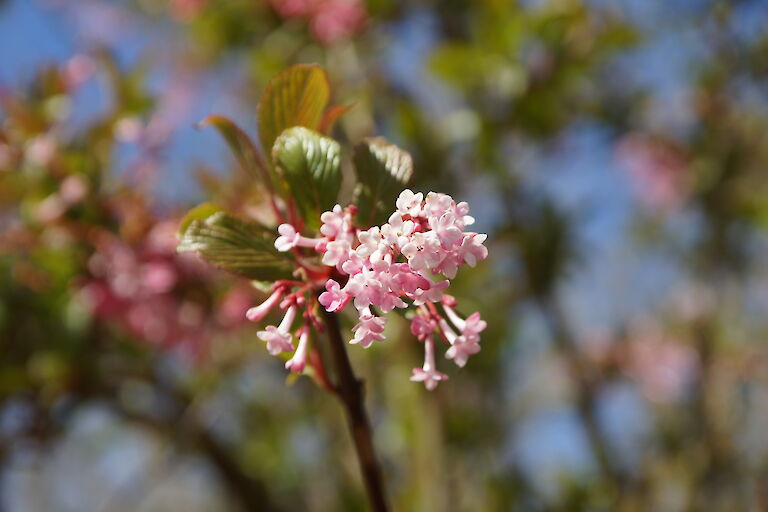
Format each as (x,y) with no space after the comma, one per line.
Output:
(428,374)
(296,363)
(257,314)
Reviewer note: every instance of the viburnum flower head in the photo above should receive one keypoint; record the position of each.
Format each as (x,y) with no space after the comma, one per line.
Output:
(406,263)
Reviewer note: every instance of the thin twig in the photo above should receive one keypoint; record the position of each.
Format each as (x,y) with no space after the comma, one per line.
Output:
(350,392)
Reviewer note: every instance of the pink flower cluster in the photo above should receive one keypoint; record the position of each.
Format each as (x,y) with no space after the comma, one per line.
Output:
(395,265)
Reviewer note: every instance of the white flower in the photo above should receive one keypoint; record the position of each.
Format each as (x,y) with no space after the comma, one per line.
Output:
(288,238)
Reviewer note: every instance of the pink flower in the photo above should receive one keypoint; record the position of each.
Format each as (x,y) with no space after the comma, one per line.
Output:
(279,338)
(158,276)
(336,253)
(473,326)
(288,238)
(463,219)
(397,230)
(333,223)
(446,229)
(449,266)
(405,280)
(368,329)
(423,251)
(365,287)
(334,299)
(461,349)
(437,204)
(422,326)
(390,301)
(337,19)
(371,244)
(330,20)
(354,264)
(428,374)
(472,249)
(432,294)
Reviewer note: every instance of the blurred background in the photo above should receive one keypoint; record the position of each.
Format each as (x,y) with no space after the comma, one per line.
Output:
(615,151)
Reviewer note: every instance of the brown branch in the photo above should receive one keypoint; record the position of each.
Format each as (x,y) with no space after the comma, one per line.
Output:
(350,392)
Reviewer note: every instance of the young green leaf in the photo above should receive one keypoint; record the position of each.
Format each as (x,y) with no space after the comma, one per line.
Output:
(241,247)
(382,170)
(311,165)
(297,96)
(200,212)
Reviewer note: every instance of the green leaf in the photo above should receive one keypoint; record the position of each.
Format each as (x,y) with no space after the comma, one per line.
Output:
(241,247)
(311,165)
(241,145)
(382,170)
(200,212)
(295,97)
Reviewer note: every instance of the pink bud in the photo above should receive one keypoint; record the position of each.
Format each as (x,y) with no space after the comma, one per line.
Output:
(296,363)
(256,314)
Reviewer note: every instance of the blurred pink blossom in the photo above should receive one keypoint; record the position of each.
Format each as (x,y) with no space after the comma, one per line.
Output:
(329,20)
(77,70)
(658,170)
(128,130)
(186,10)
(41,150)
(153,293)
(662,366)
(73,189)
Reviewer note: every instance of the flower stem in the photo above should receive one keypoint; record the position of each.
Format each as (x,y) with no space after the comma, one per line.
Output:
(350,391)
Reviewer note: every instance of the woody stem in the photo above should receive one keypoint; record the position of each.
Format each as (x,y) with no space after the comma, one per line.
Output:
(349,389)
